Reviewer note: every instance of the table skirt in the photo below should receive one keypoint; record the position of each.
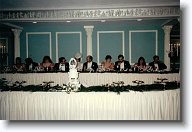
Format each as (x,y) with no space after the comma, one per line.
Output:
(153,105)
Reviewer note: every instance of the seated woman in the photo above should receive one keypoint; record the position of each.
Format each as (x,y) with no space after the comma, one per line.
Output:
(18,66)
(47,63)
(108,65)
(140,65)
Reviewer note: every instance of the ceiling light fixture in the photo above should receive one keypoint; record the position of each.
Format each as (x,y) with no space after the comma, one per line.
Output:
(102,20)
(139,20)
(34,22)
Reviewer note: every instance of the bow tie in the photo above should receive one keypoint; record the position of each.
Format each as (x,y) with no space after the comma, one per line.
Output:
(62,65)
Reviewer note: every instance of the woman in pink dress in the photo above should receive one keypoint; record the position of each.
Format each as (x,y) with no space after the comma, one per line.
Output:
(47,63)
(108,65)
(18,66)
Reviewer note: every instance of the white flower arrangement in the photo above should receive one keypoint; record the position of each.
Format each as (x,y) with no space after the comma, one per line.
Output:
(38,68)
(138,82)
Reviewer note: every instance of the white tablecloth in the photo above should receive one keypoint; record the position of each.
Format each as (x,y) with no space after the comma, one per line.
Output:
(154,105)
(89,79)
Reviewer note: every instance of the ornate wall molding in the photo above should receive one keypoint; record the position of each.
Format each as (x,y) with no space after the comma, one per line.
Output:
(89,30)
(64,33)
(17,33)
(39,33)
(90,14)
(109,32)
(141,31)
(167,29)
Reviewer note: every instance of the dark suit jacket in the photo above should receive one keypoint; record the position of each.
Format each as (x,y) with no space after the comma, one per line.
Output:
(126,65)
(161,65)
(56,67)
(34,64)
(94,66)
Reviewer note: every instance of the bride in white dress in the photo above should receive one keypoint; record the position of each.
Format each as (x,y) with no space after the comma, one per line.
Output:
(78,57)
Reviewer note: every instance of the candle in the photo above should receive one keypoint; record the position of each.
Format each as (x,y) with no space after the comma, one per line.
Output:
(4,49)
(171,49)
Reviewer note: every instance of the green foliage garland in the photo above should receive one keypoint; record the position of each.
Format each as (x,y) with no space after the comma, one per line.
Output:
(117,89)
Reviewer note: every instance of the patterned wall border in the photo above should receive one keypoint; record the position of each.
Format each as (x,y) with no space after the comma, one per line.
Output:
(90,14)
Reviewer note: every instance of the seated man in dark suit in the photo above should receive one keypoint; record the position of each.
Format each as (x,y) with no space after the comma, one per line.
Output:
(30,65)
(157,64)
(121,64)
(62,65)
(90,65)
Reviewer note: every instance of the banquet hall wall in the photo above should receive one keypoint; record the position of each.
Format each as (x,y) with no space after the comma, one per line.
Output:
(113,40)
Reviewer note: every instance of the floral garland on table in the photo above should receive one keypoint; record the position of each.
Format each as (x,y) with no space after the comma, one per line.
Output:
(138,82)
(113,87)
(64,88)
(162,79)
(39,69)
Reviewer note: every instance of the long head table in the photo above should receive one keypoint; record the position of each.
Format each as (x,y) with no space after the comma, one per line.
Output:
(90,79)
(154,105)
